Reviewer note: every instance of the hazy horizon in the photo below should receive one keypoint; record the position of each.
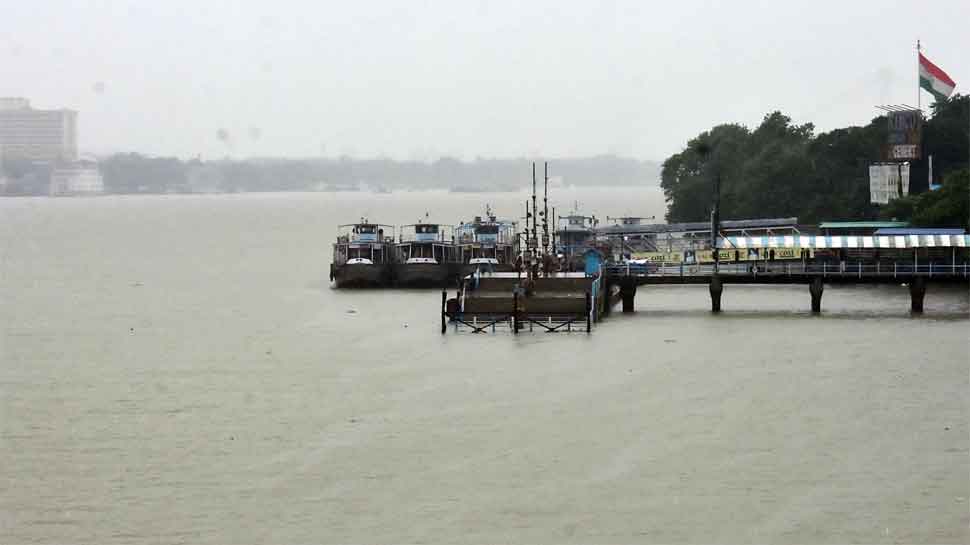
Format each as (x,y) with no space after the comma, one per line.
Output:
(405,82)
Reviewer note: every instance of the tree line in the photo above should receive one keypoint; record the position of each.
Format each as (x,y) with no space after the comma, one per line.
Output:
(136,173)
(781,169)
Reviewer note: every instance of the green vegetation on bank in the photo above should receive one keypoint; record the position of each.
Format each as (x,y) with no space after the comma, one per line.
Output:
(780,169)
(948,206)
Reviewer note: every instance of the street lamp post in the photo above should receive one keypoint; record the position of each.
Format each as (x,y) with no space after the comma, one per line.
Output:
(715,287)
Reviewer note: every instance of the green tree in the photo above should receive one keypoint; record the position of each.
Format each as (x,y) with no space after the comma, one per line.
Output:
(948,206)
(783,169)
(687,177)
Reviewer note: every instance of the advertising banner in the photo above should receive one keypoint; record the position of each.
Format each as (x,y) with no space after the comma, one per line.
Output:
(885,183)
(904,136)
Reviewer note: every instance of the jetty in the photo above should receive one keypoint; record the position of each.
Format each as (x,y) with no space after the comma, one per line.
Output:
(574,282)
(916,258)
(541,293)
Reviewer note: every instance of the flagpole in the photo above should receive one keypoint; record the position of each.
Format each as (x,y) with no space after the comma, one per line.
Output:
(919,106)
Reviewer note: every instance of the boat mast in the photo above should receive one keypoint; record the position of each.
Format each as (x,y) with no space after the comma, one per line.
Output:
(555,222)
(535,208)
(545,210)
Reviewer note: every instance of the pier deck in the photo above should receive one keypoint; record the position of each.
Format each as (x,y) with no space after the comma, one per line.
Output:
(815,275)
(789,273)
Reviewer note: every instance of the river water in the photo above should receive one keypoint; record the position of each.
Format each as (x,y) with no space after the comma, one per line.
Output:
(177,369)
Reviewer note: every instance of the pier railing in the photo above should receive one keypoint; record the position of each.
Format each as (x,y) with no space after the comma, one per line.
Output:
(843,269)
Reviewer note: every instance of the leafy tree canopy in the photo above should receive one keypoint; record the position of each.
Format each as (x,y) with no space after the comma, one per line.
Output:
(782,169)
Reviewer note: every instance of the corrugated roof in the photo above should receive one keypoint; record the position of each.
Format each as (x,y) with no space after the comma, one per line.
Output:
(862,224)
(919,231)
(778,223)
(846,241)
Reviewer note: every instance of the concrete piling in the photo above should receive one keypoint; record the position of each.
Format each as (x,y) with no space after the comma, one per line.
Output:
(815,287)
(444,302)
(917,290)
(628,290)
(716,287)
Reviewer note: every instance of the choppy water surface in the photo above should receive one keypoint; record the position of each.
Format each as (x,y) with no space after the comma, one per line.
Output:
(177,369)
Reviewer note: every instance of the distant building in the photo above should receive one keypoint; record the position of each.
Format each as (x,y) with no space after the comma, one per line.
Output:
(37,135)
(81,178)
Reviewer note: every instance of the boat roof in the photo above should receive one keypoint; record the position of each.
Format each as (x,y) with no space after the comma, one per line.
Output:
(489,221)
(365,224)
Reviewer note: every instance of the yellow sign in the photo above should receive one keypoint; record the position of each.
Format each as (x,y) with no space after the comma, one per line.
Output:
(659,257)
(724,255)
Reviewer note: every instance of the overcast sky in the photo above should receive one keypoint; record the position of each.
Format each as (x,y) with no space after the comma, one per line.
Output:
(408,79)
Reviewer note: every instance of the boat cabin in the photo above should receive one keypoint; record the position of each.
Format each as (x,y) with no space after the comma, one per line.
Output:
(363,243)
(575,233)
(487,241)
(425,243)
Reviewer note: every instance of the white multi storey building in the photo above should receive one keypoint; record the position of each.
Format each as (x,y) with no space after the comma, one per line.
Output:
(37,135)
(81,178)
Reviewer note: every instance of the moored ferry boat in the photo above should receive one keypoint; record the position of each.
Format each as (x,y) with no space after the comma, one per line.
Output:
(362,255)
(575,235)
(487,244)
(425,256)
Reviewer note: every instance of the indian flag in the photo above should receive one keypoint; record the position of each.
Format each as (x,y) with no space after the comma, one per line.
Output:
(934,80)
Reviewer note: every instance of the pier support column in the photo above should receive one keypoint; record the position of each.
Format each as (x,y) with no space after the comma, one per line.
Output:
(716,288)
(607,307)
(444,306)
(628,290)
(917,289)
(816,288)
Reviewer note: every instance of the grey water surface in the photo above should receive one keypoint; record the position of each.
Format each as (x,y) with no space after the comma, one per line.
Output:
(178,369)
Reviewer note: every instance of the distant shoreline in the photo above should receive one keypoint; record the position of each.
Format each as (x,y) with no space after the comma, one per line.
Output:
(368,191)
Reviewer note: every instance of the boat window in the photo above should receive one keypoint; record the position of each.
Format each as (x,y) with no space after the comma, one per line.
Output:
(360,252)
(426,229)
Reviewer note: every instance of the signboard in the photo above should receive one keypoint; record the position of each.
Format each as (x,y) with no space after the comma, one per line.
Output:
(904,136)
(885,184)
(726,255)
(903,152)
(659,257)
